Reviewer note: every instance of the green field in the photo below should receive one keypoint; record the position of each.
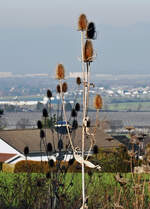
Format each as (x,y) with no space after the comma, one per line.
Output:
(19,191)
(130,106)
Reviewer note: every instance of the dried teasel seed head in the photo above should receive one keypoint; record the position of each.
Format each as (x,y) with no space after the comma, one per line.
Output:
(95,149)
(78,80)
(71,161)
(45,113)
(77,107)
(64,87)
(48,175)
(49,93)
(60,72)
(49,147)
(82,22)
(88,51)
(90,31)
(51,163)
(39,124)
(58,89)
(26,151)
(73,113)
(98,102)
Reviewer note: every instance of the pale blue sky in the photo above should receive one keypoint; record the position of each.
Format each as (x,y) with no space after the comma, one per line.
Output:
(65,12)
(35,35)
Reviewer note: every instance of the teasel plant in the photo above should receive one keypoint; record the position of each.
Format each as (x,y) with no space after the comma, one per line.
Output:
(55,178)
(87,56)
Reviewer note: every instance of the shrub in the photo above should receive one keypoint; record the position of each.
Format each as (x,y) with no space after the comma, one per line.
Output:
(116,160)
(31,167)
(9,168)
(43,167)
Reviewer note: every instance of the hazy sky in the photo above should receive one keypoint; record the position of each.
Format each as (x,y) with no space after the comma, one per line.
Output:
(65,12)
(37,34)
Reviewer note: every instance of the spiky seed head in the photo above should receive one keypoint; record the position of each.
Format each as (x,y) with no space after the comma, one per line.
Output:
(64,87)
(90,31)
(71,161)
(58,89)
(45,113)
(51,163)
(49,147)
(60,72)
(49,93)
(82,22)
(48,175)
(42,134)
(95,149)
(78,80)
(88,51)
(77,107)
(26,150)
(39,124)
(98,103)
(73,113)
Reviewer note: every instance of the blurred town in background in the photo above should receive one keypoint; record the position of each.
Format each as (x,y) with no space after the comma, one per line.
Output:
(126,99)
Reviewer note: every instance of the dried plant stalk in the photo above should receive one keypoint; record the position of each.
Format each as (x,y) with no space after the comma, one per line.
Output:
(88,51)
(98,102)
(82,22)
(60,72)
